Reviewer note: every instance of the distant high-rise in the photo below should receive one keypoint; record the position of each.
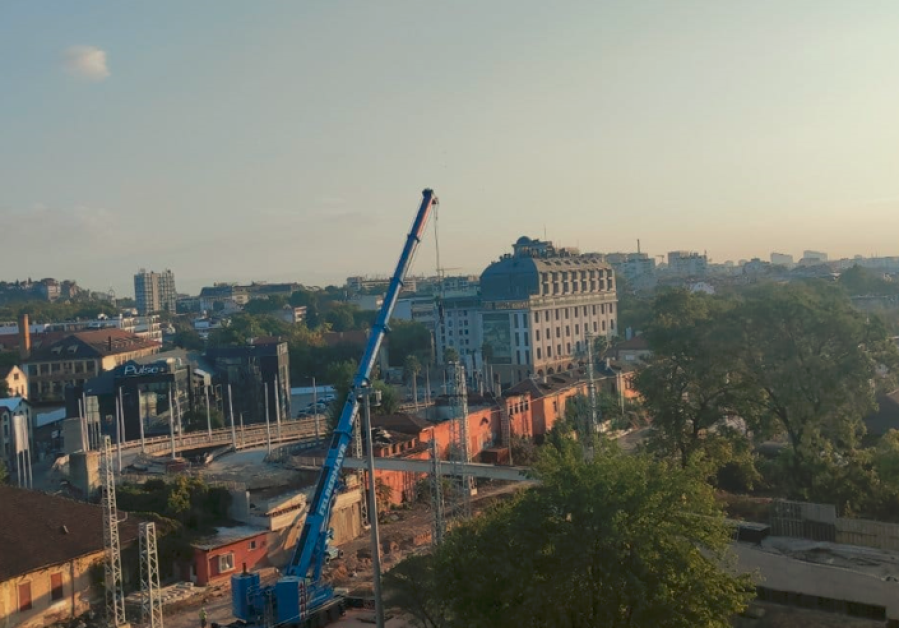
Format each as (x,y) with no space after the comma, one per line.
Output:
(782,259)
(154,292)
(819,256)
(687,263)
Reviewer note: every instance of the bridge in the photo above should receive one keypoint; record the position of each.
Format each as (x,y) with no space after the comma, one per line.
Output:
(254,435)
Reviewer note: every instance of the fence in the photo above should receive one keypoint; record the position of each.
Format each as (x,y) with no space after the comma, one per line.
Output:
(819,522)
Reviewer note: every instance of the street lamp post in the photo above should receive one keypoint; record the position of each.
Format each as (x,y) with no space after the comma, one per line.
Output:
(373,504)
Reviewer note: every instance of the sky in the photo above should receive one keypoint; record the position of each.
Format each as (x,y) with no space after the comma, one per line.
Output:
(281,140)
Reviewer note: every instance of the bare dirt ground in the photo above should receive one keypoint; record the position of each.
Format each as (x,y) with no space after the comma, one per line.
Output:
(406,531)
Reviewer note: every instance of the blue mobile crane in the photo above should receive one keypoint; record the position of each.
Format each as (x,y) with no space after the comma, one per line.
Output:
(300,597)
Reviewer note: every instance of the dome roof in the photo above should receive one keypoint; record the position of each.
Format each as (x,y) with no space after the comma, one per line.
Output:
(524,240)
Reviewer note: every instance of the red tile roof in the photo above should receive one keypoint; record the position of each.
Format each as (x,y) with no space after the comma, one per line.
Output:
(94,343)
(10,342)
(38,530)
(637,343)
(355,337)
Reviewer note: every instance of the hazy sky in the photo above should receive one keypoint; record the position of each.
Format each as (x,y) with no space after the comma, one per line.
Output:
(235,140)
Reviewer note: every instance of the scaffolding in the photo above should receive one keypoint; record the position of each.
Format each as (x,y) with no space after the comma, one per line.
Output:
(151,599)
(115,597)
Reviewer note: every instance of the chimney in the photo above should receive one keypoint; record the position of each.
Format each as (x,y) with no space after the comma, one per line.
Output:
(109,343)
(24,337)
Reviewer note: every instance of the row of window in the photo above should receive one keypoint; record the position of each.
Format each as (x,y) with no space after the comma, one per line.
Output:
(547,334)
(79,366)
(56,592)
(578,311)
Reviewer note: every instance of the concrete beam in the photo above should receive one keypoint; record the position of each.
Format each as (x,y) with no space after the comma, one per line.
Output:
(478,470)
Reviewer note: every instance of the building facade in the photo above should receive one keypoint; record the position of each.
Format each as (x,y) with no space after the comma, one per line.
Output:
(16,381)
(540,305)
(250,370)
(16,432)
(782,259)
(49,547)
(155,391)
(155,292)
(638,269)
(687,264)
(459,328)
(78,357)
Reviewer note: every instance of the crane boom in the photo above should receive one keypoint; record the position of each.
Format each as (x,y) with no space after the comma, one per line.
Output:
(309,553)
(300,594)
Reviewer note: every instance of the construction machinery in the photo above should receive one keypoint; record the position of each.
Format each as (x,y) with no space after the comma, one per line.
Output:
(300,597)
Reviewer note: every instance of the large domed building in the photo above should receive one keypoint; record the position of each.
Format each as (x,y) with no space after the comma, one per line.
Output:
(538,307)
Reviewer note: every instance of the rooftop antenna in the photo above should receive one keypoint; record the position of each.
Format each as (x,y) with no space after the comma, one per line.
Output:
(638,246)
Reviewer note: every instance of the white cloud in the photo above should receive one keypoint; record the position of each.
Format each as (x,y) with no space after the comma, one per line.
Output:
(87,62)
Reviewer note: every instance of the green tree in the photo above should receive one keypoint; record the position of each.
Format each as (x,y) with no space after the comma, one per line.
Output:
(634,310)
(341,317)
(390,399)
(4,389)
(188,339)
(858,281)
(409,338)
(411,586)
(268,305)
(450,355)
(689,384)
(619,541)
(195,420)
(341,376)
(4,474)
(411,369)
(812,358)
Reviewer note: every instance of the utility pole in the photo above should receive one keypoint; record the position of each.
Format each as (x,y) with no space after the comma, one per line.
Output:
(172,423)
(115,597)
(373,508)
(208,413)
(151,600)
(140,416)
(85,438)
(119,429)
(277,392)
(231,415)
(268,429)
(315,411)
(436,492)
(459,441)
(591,382)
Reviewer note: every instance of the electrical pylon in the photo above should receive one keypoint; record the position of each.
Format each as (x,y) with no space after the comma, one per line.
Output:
(459,456)
(115,597)
(151,599)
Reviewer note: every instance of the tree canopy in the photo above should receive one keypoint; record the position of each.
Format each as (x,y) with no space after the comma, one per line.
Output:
(688,385)
(621,540)
(794,362)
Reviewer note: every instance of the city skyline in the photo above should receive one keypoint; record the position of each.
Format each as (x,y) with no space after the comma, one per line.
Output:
(291,141)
